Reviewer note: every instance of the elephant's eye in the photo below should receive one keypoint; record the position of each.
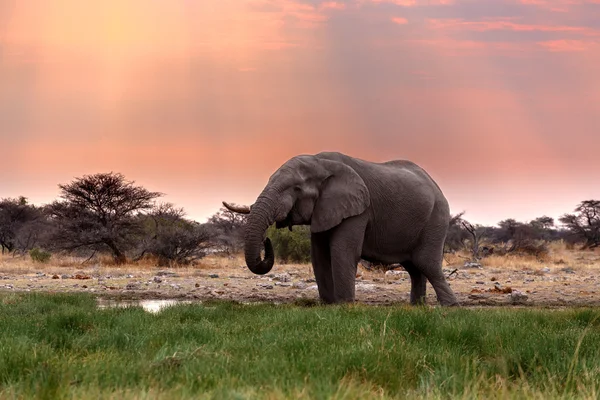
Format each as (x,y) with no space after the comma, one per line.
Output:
(297,189)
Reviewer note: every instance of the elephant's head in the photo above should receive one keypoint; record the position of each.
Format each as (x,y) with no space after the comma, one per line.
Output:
(306,190)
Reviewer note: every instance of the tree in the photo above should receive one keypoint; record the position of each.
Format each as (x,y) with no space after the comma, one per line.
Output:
(172,238)
(463,234)
(478,233)
(21,225)
(585,223)
(98,212)
(457,235)
(524,238)
(543,223)
(228,227)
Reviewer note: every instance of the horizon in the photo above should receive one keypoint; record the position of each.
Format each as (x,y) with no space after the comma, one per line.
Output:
(498,100)
(204,218)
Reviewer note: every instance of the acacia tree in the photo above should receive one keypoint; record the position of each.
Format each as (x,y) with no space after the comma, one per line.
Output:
(585,223)
(98,212)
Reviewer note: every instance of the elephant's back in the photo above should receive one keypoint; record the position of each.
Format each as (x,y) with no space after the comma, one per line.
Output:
(394,178)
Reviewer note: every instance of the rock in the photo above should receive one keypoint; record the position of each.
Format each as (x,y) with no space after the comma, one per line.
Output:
(197,285)
(518,297)
(366,287)
(166,273)
(470,264)
(568,270)
(285,277)
(129,276)
(40,274)
(480,283)
(545,269)
(84,286)
(213,276)
(396,273)
(309,280)
(265,285)
(55,276)
(299,285)
(494,279)
(132,286)
(82,276)
(157,279)
(313,287)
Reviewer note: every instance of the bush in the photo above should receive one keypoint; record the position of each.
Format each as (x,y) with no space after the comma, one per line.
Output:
(171,237)
(291,246)
(38,255)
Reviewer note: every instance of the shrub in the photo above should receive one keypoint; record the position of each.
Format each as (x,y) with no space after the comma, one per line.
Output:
(291,246)
(171,237)
(38,255)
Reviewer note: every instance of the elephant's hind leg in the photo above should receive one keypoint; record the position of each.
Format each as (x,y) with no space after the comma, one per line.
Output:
(418,283)
(429,262)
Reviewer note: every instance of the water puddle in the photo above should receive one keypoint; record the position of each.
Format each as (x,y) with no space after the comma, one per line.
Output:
(151,306)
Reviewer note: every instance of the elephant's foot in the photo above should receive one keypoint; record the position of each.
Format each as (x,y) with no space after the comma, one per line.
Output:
(449,302)
(420,301)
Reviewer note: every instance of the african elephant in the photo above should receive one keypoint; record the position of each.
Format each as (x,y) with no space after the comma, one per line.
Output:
(391,212)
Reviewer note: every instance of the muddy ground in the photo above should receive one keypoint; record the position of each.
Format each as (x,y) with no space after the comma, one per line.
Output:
(543,284)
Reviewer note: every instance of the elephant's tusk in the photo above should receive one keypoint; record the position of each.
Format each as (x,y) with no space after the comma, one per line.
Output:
(236,208)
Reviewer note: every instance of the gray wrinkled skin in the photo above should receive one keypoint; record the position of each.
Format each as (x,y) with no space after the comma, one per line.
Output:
(388,213)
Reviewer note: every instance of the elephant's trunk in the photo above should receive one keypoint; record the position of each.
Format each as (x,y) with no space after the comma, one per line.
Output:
(259,219)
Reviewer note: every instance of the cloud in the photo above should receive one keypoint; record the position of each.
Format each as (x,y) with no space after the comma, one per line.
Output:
(332,5)
(399,20)
(567,45)
(505,24)
(413,3)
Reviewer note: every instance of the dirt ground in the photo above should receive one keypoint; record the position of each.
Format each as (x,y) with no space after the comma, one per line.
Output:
(565,279)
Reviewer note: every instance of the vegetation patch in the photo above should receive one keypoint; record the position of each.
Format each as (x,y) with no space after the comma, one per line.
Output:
(63,346)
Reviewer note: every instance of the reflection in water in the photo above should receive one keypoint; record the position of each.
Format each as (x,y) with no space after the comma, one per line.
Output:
(152,306)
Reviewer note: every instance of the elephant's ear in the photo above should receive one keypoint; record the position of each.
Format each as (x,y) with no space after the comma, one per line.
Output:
(343,195)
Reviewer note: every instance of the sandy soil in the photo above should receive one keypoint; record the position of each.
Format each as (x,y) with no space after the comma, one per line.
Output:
(552,283)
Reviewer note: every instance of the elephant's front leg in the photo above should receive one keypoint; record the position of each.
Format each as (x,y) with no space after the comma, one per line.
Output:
(321,261)
(346,247)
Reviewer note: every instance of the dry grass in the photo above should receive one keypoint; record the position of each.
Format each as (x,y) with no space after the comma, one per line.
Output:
(60,264)
(559,256)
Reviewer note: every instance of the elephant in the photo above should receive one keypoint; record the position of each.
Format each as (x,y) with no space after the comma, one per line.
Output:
(388,213)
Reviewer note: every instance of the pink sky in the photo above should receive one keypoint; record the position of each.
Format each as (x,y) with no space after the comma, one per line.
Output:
(202,100)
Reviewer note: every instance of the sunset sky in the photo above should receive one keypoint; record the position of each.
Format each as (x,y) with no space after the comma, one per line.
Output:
(204,99)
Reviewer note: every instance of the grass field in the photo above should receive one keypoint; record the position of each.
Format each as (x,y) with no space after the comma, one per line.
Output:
(62,346)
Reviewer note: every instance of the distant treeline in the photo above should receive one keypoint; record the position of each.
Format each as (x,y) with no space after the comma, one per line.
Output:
(106,214)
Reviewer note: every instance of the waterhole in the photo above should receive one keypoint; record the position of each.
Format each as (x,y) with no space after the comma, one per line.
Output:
(151,306)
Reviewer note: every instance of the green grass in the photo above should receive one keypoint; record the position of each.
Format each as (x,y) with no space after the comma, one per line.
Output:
(62,346)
